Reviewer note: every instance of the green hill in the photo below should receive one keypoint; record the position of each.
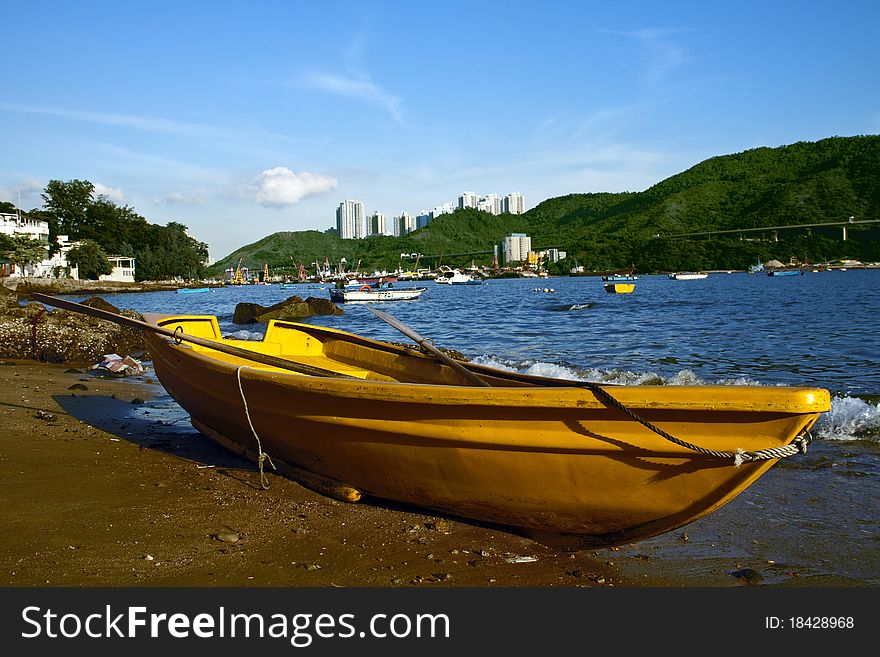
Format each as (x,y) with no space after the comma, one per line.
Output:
(806,182)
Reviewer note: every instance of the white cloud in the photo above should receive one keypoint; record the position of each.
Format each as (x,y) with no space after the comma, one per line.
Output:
(28,191)
(360,87)
(149,124)
(180,198)
(665,55)
(113,193)
(279,187)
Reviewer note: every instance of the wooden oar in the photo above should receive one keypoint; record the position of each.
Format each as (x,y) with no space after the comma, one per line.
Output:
(179,335)
(427,346)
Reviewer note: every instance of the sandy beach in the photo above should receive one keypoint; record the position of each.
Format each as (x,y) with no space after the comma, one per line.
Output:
(93,496)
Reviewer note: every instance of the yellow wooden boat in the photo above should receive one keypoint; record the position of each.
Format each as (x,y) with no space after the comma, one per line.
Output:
(568,464)
(620,288)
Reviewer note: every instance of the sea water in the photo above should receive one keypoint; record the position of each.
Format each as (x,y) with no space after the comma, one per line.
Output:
(813,519)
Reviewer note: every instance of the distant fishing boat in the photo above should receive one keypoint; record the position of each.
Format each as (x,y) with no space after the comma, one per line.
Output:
(686,276)
(619,288)
(457,277)
(192,290)
(785,272)
(367,293)
(619,277)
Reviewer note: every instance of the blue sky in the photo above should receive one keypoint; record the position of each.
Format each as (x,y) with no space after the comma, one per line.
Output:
(241,119)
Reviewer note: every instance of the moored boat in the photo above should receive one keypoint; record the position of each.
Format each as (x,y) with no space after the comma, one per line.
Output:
(559,461)
(192,290)
(568,463)
(619,288)
(451,276)
(687,276)
(369,293)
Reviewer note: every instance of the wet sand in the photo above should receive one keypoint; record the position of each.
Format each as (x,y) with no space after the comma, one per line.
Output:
(95,495)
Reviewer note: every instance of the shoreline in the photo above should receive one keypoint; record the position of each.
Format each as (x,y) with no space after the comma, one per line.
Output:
(110,486)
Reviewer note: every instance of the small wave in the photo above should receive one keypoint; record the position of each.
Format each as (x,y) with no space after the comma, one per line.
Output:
(572,306)
(563,371)
(850,418)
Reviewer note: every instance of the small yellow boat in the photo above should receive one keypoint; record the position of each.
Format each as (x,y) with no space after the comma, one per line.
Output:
(569,464)
(620,288)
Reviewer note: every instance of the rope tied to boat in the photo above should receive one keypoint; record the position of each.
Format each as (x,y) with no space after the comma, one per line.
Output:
(261,455)
(796,446)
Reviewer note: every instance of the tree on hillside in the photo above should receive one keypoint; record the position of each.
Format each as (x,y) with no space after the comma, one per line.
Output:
(90,258)
(66,204)
(23,250)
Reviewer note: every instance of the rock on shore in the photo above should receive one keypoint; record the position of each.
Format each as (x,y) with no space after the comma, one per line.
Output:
(58,336)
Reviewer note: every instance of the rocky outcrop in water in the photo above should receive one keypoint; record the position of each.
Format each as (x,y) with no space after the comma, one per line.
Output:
(292,308)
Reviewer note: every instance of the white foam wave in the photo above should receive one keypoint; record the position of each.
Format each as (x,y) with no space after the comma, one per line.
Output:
(244,334)
(850,418)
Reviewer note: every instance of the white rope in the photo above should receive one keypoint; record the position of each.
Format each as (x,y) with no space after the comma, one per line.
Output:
(261,455)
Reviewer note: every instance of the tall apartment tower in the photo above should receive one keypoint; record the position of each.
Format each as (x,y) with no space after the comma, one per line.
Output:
(403,225)
(377,224)
(491,203)
(468,200)
(351,220)
(515,203)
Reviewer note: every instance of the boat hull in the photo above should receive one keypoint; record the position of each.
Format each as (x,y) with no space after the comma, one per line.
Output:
(619,288)
(552,463)
(366,293)
(688,277)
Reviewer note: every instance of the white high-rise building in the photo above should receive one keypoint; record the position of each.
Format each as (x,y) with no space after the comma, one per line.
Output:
(516,247)
(377,224)
(515,203)
(468,200)
(351,220)
(491,203)
(446,208)
(403,225)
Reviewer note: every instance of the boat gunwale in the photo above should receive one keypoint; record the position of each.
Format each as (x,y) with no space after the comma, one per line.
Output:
(544,392)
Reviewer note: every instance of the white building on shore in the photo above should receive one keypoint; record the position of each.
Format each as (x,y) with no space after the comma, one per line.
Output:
(516,247)
(56,265)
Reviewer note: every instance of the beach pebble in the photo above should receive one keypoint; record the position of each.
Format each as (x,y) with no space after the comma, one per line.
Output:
(43,415)
(227,537)
(749,575)
(525,559)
